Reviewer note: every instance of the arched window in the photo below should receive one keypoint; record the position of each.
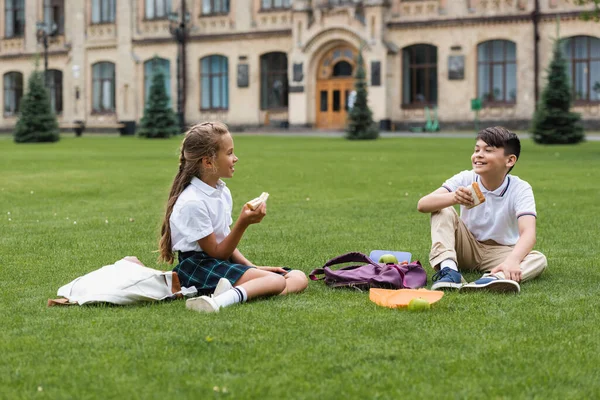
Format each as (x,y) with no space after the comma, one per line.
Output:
(158,9)
(419,75)
(103,11)
(273,81)
(55,83)
(214,86)
(103,87)
(13,92)
(14,18)
(497,71)
(342,68)
(153,66)
(583,63)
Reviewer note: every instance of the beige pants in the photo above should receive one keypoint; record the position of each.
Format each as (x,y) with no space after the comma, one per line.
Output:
(452,240)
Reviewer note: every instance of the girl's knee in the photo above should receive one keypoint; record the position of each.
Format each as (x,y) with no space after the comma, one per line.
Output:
(276,282)
(298,278)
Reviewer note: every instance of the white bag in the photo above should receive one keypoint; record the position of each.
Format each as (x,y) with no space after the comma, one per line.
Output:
(125,282)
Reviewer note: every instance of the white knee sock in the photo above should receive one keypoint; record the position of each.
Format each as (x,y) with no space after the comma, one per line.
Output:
(232,296)
(448,263)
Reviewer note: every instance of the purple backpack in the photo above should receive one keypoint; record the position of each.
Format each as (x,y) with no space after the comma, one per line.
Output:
(371,274)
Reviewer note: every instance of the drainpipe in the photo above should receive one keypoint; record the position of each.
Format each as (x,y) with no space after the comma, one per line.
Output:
(535,17)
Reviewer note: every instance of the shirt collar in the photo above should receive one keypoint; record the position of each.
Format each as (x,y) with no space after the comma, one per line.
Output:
(207,189)
(500,192)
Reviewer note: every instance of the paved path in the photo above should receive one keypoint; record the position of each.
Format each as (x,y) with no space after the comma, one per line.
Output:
(593,137)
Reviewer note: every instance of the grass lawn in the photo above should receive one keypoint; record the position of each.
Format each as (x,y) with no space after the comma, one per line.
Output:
(328,196)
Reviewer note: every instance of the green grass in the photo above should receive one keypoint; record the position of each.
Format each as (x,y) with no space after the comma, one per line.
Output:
(328,197)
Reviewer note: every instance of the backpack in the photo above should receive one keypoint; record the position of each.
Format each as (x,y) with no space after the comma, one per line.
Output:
(371,274)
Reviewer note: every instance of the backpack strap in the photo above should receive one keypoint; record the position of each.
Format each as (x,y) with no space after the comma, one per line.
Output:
(344,258)
(350,257)
(315,272)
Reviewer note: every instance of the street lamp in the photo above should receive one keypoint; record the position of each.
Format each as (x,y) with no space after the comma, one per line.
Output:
(178,27)
(44,31)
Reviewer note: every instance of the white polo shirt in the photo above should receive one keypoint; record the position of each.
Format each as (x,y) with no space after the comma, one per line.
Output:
(199,211)
(496,218)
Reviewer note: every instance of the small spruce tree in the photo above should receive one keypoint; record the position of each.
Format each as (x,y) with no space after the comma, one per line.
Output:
(553,122)
(159,120)
(360,120)
(37,122)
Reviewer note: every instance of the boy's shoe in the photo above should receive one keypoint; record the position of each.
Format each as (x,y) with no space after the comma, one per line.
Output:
(202,304)
(447,278)
(223,286)
(493,284)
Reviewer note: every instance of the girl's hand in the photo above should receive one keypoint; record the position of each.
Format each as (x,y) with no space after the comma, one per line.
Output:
(462,196)
(249,217)
(274,269)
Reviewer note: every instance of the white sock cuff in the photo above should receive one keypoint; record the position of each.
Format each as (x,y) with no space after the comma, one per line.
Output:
(243,294)
(448,263)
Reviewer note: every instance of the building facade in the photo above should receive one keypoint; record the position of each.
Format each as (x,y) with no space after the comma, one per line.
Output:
(291,62)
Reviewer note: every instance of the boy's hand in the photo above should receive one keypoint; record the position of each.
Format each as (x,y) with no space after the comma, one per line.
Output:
(462,196)
(248,217)
(511,270)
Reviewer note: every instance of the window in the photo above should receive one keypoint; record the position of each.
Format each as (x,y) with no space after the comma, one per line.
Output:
(54,11)
(14,18)
(103,11)
(103,87)
(215,7)
(275,4)
(419,75)
(158,9)
(273,81)
(214,87)
(497,71)
(583,66)
(150,68)
(342,68)
(13,92)
(55,81)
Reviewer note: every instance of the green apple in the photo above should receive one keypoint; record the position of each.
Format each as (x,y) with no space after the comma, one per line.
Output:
(388,259)
(419,304)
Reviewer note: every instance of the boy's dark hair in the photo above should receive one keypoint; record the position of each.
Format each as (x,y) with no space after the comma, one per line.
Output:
(500,137)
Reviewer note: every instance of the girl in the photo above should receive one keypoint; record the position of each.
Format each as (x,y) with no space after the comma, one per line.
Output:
(197,225)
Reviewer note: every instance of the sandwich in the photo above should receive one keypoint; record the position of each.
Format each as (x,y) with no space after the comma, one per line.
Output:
(255,203)
(478,197)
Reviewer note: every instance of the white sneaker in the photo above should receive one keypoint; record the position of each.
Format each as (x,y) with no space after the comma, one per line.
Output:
(223,286)
(202,304)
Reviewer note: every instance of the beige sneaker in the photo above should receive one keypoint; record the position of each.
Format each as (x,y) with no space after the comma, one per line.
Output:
(223,286)
(202,304)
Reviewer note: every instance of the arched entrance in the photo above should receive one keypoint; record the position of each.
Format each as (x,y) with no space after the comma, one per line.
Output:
(335,82)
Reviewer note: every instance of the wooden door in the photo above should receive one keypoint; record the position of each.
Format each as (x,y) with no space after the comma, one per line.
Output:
(332,102)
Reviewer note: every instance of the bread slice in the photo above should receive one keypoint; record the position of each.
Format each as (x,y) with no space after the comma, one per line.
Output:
(255,203)
(478,197)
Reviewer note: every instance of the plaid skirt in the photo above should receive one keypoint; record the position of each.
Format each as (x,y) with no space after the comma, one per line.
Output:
(203,271)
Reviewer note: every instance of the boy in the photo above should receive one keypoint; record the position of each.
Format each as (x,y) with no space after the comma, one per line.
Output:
(496,236)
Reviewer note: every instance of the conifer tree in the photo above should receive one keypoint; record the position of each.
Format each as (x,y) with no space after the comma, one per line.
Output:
(553,122)
(37,122)
(159,120)
(360,120)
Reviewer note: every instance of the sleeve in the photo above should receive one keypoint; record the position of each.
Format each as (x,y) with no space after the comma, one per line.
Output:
(525,203)
(229,202)
(194,221)
(457,180)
